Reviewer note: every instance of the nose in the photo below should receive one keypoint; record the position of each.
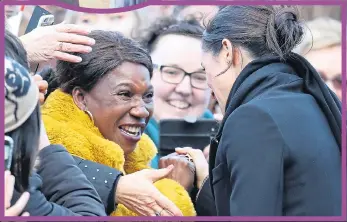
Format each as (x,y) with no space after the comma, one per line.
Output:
(184,87)
(140,111)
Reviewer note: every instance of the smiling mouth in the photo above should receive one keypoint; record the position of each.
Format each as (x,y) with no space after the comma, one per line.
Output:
(179,104)
(133,131)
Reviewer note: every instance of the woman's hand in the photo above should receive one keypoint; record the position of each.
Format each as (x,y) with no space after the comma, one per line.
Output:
(184,171)
(57,42)
(137,192)
(44,140)
(200,162)
(16,209)
(43,86)
(207,152)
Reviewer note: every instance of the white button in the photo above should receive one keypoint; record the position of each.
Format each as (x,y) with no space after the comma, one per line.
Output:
(93,178)
(85,166)
(105,181)
(110,173)
(97,170)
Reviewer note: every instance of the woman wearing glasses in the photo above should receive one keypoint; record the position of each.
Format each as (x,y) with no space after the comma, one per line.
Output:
(179,82)
(278,150)
(322,48)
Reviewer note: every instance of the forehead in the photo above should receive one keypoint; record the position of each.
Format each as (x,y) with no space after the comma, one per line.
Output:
(177,49)
(133,75)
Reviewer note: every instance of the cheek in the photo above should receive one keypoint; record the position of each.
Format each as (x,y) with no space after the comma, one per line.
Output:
(162,90)
(201,97)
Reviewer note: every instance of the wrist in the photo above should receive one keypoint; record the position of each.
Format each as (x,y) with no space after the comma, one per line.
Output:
(118,190)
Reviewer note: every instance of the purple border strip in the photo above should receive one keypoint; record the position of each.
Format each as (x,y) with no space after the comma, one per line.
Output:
(171,2)
(2,95)
(183,2)
(344,102)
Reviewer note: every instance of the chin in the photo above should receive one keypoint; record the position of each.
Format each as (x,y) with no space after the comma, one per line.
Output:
(128,149)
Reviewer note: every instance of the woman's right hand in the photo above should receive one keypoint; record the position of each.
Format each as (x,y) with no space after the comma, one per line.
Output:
(57,42)
(200,163)
(137,192)
(15,210)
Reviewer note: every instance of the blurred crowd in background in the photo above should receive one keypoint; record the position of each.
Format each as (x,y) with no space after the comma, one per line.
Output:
(103,3)
(321,45)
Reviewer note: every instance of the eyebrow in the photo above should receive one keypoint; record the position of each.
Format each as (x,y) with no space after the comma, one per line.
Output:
(176,66)
(131,85)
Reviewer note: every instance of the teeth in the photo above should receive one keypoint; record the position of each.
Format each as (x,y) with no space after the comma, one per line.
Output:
(179,104)
(132,129)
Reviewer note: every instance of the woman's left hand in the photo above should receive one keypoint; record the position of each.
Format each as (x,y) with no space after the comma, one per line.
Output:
(184,171)
(200,162)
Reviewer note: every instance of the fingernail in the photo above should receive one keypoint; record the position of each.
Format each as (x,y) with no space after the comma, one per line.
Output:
(92,41)
(170,167)
(89,49)
(79,59)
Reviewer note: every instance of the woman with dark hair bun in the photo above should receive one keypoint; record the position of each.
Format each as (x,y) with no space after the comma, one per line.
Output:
(278,150)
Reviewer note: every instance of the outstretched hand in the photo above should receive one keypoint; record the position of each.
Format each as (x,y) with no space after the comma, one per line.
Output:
(137,192)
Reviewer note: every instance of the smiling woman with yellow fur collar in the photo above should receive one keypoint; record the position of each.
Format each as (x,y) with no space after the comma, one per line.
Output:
(99,113)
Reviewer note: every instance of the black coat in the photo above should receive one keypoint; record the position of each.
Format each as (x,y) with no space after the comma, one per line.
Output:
(277,154)
(60,187)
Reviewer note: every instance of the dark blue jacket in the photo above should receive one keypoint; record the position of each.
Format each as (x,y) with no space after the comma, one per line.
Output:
(277,154)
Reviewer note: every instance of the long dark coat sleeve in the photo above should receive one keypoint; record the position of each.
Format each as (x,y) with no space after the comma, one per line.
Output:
(59,187)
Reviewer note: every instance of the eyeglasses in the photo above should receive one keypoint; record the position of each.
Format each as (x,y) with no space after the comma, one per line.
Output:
(175,75)
(336,80)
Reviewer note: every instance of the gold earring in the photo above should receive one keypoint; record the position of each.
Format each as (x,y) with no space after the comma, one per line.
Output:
(89,114)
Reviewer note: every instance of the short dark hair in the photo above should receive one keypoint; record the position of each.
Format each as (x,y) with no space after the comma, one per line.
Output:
(168,25)
(262,30)
(15,49)
(25,147)
(110,51)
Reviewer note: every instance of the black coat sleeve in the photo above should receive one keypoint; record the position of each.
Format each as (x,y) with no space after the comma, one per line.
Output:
(38,205)
(204,204)
(254,150)
(103,178)
(65,184)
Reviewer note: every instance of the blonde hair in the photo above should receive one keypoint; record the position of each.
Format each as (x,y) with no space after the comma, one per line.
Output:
(322,32)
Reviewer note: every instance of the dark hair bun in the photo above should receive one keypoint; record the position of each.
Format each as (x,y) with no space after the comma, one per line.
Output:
(284,31)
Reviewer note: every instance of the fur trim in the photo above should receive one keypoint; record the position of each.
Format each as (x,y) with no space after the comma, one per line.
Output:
(66,124)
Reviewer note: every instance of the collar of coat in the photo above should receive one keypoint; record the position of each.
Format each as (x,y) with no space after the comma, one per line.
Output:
(71,127)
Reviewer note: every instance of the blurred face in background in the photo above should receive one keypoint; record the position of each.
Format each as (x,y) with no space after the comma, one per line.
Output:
(11,10)
(328,62)
(176,54)
(199,12)
(122,22)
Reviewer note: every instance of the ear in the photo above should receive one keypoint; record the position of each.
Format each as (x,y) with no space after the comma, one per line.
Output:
(227,50)
(79,99)
(232,54)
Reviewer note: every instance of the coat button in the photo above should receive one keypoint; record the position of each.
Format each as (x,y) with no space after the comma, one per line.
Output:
(97,170)
(93,178)
(85,166)
(105,181)
(110,173)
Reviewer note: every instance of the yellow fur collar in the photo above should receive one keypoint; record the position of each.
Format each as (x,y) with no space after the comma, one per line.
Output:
(66,124)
